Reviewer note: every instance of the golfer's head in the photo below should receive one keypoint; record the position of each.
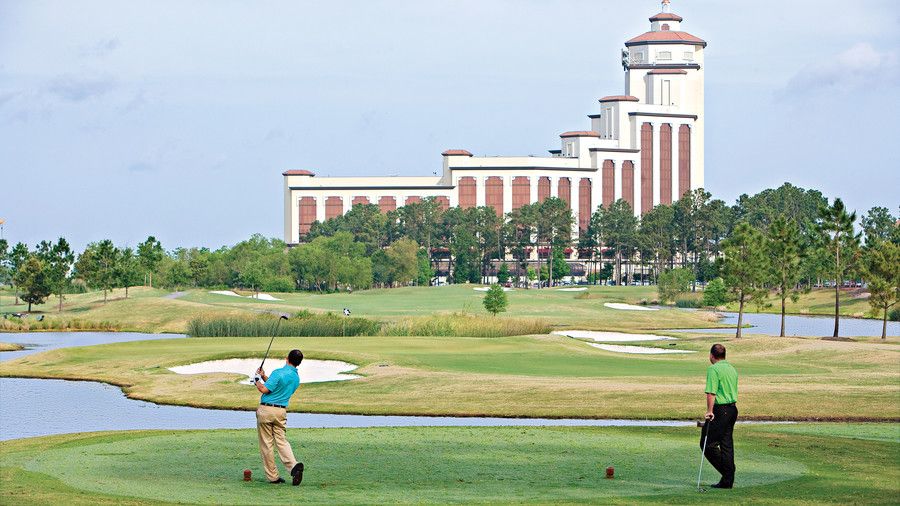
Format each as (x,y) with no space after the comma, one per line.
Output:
(716,353)
(295,357)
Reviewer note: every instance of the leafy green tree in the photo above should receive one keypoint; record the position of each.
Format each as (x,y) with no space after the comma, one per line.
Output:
(4,262)
(403,261)
(554,228)
(521,232)
(673,283)
(881,266)
(656,236)
(97,266)
(253,275)
(591,240)
(503,273)
(745,267)
(786,253)
(57,260)
(878,225)
(17,258)
(495,300)
(128,269)
(425,271)
(620,226)
(150,253)
(561,268)
(32,278)
(715,294)
(836,225)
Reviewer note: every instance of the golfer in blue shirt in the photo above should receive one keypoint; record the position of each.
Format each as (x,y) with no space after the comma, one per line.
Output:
(271,417)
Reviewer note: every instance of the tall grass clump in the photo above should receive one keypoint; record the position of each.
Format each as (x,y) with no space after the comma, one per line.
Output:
(56,324)
(303,325)
(463,325)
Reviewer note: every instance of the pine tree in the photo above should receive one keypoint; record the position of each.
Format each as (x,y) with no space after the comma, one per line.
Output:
(745,266)
(786,254)
(495,300)
(836,225)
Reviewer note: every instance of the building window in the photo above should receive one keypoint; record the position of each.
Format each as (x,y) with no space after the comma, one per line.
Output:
(689,55)
(664,55)
(570,149)
(665,27)
(667,92)
(637,58)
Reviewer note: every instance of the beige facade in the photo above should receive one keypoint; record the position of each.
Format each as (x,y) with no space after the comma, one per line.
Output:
(645,146)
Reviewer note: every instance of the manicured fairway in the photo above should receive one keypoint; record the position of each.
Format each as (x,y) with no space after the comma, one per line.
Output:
(527,376)
(452,465)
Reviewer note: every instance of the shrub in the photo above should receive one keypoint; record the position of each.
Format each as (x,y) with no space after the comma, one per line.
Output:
(495,300)
(673,283)
(686,302)
(894,314)
(715,294)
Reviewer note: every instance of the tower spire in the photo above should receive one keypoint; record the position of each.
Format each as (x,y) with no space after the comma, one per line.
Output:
(665,5)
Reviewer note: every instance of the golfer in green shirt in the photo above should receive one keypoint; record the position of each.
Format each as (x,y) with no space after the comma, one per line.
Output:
(721,413)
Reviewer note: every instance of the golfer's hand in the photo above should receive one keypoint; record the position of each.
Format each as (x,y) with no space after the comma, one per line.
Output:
(709,416)
(261,371)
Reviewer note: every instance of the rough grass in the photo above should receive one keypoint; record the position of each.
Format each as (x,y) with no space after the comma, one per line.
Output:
(526,376)
(805,465)
(305,325)
(10,347)
(465,325)
(55,324)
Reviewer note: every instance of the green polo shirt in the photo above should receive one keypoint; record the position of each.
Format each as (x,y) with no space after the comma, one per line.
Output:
(722,380)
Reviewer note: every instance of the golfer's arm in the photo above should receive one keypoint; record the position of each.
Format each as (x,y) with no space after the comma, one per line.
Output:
(710,402)
(261,387)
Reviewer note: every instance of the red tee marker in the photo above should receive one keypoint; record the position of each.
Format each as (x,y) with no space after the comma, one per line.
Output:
(247,474)
(610,472)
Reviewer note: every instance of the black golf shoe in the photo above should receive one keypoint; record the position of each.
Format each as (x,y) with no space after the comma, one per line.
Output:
(297,473)
(276,482)
(720,485)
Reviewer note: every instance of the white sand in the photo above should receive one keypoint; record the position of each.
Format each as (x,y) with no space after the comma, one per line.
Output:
(571,289)
(628,307)
(263,296)
(611,337)
(639,350)
(311,371)
(486,288)
(225,292)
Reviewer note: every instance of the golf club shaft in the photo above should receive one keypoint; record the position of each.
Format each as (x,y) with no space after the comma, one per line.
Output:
(702,453)
(274,333)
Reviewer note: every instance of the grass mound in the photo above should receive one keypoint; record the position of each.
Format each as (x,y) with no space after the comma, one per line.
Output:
(442,465)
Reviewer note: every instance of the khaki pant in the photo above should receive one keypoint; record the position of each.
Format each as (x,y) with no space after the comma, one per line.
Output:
(270,423)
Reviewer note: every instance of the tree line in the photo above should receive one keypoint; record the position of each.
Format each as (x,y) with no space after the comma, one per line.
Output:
(784,240)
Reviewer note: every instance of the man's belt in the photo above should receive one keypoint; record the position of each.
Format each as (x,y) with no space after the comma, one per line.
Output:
(272,405)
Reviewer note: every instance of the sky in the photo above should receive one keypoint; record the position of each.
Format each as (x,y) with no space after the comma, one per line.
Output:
(175,119)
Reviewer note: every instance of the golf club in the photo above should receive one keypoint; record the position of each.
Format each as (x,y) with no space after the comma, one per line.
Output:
(256,377)
(702,453)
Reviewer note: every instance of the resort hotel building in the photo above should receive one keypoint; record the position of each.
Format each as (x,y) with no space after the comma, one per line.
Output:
(644,145)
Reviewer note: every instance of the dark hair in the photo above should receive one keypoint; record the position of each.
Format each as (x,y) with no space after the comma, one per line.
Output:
(717,351)
(295,357)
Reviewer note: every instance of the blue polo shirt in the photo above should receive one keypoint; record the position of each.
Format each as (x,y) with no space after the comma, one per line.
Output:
(282,384)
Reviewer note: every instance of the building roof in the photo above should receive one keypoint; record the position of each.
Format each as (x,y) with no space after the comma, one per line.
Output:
(666,37)
(580,133)
(620,98)
(456,152)
(297,172)
(667,16)
(667,71)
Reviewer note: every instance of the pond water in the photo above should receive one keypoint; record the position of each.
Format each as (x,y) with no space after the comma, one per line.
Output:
(796,325)
(40,407)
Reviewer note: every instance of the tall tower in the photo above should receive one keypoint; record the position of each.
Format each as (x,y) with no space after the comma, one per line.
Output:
(664,70)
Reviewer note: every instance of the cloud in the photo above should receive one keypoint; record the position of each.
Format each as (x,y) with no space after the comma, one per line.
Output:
(102,47)
(860,66)
(141,167)
(77,89)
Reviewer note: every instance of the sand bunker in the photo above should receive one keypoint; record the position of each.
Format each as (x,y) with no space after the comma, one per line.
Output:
(628,307)
(639,350)
(311,371)
(571,289)
(225,292)
(486,288)
(611,337)
(263,296)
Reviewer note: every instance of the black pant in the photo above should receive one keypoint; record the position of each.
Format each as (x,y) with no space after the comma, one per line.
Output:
(720,445)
